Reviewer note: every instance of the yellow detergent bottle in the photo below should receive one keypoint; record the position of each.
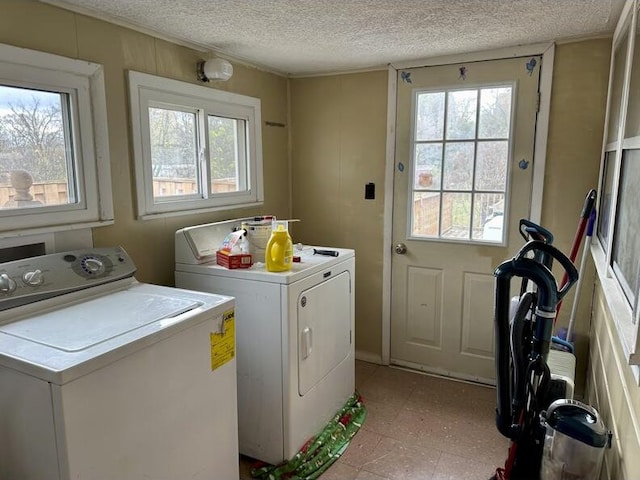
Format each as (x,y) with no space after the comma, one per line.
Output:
(279,250)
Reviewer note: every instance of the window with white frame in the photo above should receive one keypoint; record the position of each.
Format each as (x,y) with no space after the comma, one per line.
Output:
(618,228)
(461,145)
(54,159)
(196,148)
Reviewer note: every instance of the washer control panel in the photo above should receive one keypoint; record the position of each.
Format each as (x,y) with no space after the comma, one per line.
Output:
(37,278)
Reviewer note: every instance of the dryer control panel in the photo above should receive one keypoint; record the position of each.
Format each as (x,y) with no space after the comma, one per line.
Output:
(37,278)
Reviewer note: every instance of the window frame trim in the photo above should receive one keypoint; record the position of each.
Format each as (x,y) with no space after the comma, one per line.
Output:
(143,88)
(625,319)
(84,82)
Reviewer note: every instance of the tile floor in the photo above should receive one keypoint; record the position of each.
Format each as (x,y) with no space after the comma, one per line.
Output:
(419,427)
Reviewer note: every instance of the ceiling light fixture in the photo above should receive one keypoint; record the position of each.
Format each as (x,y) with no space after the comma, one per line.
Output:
(214,69)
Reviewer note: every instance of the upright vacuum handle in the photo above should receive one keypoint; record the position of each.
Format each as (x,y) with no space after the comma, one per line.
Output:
(533,231)
(569,268)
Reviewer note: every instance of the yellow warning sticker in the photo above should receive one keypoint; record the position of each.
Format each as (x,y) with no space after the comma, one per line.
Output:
(223,343)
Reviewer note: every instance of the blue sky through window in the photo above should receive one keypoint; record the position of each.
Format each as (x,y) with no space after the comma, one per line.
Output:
(16,96)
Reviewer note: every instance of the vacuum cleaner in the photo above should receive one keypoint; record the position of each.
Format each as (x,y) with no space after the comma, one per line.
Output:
(560,359)
(535,383)
(522,341)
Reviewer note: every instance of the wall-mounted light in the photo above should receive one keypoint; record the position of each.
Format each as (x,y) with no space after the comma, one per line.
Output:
(214,69)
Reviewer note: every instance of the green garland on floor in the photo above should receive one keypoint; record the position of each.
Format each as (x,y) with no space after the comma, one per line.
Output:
(321,451)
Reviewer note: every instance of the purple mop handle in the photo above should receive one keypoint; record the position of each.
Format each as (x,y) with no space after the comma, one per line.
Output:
(592,223)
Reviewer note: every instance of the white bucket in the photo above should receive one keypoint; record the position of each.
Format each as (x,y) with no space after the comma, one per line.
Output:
(258,234)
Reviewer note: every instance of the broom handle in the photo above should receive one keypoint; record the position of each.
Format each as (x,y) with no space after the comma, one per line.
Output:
(589,203)
(583,264)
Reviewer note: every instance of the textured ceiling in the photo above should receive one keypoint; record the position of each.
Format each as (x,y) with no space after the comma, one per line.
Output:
(300,37)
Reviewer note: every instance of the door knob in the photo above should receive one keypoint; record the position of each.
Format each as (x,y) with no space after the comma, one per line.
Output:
(400,248)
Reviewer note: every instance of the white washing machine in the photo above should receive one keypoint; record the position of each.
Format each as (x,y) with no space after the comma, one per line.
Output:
(295,336)
(104,378)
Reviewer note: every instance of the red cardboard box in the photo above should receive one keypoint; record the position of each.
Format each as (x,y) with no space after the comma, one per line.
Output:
(236,260)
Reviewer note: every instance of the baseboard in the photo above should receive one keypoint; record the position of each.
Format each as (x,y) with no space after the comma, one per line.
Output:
(369,357)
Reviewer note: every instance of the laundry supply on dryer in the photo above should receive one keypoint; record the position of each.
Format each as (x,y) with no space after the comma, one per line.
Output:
(279,251)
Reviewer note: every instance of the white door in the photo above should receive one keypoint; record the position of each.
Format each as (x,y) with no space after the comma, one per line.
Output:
(463,175)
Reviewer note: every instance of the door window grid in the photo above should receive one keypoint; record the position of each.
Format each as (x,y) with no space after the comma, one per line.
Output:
(449,202)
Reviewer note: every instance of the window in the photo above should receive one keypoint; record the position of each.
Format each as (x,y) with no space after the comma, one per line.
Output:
(460,163)
(606,191)
(196,148)
(54,162)
(617,253)
(625,254)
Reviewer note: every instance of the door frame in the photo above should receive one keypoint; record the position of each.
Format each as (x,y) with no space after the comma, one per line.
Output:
(547,50)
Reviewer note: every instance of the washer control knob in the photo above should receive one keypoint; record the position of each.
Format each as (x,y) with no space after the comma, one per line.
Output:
(93,266)
(34,278)
(7,284)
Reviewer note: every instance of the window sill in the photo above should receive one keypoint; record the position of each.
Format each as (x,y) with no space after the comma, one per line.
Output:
(620,310)
(193,211)
(53,228)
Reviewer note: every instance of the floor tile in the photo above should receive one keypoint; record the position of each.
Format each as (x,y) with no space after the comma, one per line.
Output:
(380,416)
(364,475)
(389,386)
(340,471)
(419,427)
(451,467)
(364,371)
(361,449)
(402,461)
(434,393)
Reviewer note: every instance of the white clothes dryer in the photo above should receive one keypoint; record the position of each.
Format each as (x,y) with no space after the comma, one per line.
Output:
(295,336)
(103,377)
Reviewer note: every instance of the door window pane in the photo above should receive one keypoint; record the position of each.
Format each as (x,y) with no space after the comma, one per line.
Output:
(626,241)
(488,217)
(425,210)
(491,166)
(174,152)
(461,114)
(226,154)
(36,149)
(430,116)
(428,166)
(458,166)
(456,215)
(495,112)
